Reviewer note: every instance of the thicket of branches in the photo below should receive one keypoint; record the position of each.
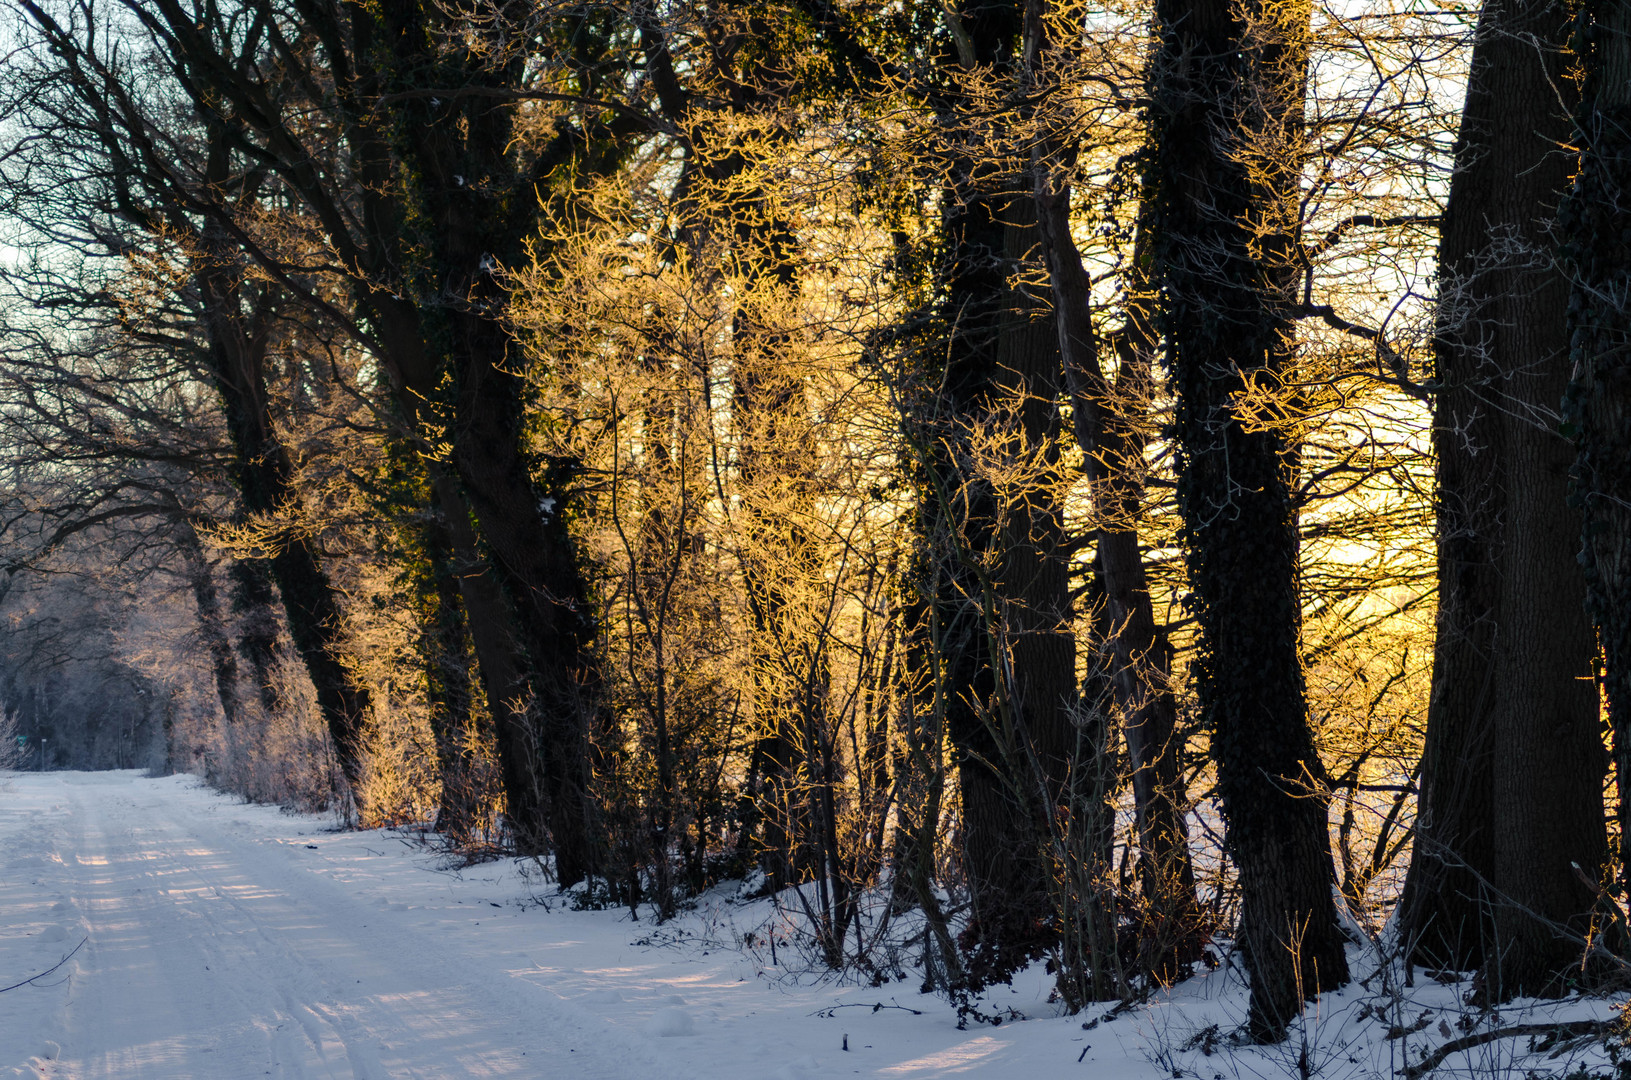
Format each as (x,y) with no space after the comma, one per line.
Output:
(1076,479)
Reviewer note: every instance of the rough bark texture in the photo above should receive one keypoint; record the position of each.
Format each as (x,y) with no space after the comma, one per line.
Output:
(1511,780)
(254,602)
(1228,84)
(1597,228)
(465,208)
(449,689)
(212,628)
(1003,619)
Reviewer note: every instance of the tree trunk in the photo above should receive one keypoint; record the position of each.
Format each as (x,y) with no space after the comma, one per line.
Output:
(1228,84)
(254,602)
(1597,224)
(532,557)
(446,650)
(1007,649)
(460,214)
(1112,446)
(265,476)
(1511,782)
(505,679)
(212,628)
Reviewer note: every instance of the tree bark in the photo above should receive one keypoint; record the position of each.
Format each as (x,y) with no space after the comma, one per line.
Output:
(1511,781)
(460,212)
(236,357)
(1228,85)
(1596,226)
(448,658)
(212,628)
(1005,640)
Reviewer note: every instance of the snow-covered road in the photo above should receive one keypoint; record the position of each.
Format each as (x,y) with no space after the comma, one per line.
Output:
(224,941)
(212,951)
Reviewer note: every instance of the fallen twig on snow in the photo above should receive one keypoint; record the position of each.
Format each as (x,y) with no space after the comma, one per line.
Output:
(1467,1042)
(828,1012)
(48,970)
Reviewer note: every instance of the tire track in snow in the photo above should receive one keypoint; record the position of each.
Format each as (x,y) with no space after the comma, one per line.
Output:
(213,955)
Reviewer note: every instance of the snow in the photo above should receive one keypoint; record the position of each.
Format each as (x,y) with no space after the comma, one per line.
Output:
(667,1023)
(222,940)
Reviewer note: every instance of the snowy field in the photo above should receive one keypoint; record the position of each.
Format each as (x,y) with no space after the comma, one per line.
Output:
(222,941)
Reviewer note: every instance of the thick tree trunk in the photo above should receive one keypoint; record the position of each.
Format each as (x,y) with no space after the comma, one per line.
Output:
(1007,649)
(1445,910)
(1597,226)
(1228,84)
(533,559)
(507,683)
(472,213)
(1548,775)
(1033,575)
(1511,784)
(446,650)
(254,602)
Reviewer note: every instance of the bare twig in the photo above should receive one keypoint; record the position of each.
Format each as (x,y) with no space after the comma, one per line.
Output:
(1467,1042)
(48,970)
(828,1012)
